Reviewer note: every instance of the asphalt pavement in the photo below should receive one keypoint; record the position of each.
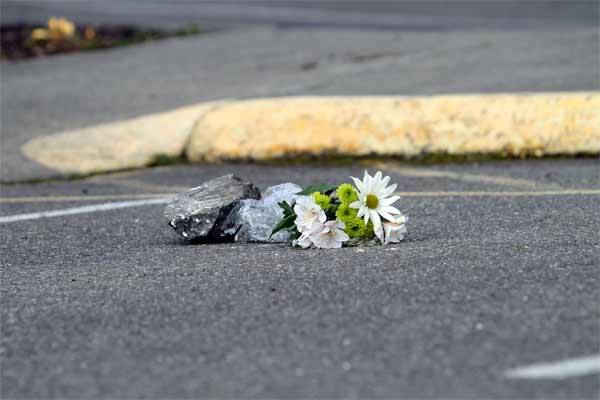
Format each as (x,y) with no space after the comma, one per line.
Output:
(45,96)
(378,14)
(499,271)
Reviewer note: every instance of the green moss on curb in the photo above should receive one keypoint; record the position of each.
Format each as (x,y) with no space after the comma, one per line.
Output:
(159,160)
(425,159)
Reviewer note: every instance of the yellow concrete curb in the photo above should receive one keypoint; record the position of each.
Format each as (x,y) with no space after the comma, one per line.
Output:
(540,124)
(118,145)
(514,124)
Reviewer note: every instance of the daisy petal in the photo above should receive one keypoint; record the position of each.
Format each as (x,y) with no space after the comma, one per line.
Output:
(389,190)
(366,176)
(381,187)
(356,204)
(385,181)
(367,182)
(361,211)
(389,210)
(377,184)
(386,215)
(377,224)
(359,185)
(388,201)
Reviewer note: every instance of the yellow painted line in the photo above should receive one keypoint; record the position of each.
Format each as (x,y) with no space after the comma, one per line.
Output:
(569,192)
(573,192)
(150,187)
(466,177)
(138,184)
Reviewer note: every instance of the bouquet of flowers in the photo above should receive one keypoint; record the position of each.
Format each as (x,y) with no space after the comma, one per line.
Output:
(329,216)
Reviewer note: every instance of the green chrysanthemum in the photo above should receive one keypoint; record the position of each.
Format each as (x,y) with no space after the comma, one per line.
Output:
(344,213)
(346,193)
(322,200)
(369,231)
(356,227)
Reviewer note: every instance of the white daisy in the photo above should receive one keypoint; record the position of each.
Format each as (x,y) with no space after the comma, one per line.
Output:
(395,230)
(307,212)
(375,201)
(331,236)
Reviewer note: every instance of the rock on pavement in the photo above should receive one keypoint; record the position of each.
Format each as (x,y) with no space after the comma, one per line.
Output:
(202,212)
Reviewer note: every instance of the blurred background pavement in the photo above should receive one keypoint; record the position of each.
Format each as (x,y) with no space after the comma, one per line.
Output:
(259,48)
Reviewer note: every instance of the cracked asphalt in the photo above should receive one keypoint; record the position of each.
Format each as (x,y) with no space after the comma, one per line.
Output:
(499,270)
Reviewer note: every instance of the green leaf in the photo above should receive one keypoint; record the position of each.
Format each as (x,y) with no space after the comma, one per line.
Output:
(287,209)
(295,235)
(285,223)
(319,187)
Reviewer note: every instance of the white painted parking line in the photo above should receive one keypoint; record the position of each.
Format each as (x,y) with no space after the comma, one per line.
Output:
(564,369)
(58,199)
(82,210)
(55,199)
(164,198)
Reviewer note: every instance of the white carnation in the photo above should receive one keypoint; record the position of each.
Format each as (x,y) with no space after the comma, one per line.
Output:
(331,236)
(307,213)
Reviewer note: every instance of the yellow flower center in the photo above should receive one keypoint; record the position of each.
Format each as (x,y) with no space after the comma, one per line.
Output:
(372,201)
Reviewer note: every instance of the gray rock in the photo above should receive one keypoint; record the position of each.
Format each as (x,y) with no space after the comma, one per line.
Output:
(200,214)
(254,220)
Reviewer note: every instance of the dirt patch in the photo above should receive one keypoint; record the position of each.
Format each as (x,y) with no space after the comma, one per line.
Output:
(23,41)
